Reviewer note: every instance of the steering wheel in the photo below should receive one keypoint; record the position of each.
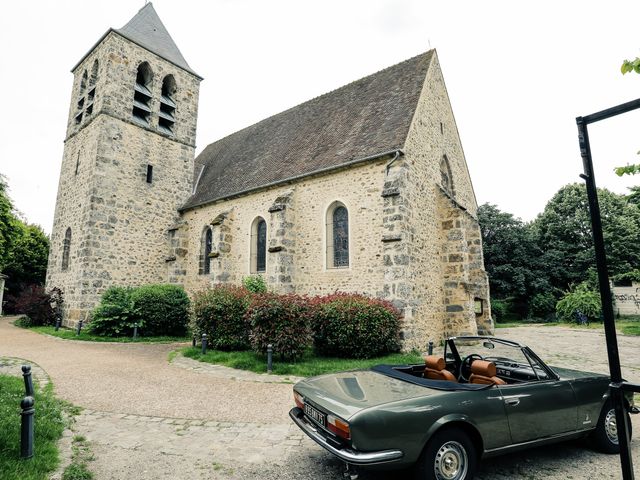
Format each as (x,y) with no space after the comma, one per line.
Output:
(465,366)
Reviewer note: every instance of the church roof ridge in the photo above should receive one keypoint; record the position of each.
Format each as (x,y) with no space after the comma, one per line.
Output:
(367,116)
(147,30)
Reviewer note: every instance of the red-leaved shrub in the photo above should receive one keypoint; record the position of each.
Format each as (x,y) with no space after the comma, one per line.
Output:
(354,326)
(220,313)
(280,320)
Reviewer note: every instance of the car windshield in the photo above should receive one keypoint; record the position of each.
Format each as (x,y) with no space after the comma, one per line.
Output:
(501,354)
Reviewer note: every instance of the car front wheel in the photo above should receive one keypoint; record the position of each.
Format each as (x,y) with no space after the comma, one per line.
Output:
(605,435)
(449,455)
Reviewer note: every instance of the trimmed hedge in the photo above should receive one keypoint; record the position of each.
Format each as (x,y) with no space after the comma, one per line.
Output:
(114,316)
(220,313)
(162,309)
(355,326)
(280,320)
(157,309)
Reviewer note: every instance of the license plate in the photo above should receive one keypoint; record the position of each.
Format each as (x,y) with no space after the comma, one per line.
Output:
(315,415)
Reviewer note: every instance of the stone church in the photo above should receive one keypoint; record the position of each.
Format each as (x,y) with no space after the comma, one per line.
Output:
(363,189)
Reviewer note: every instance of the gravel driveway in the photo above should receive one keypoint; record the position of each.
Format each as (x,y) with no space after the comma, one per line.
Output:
(148,419)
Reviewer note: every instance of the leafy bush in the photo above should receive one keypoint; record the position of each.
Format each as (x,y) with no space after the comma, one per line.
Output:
(114,316)
(255,284)
(34,302)
(354,326)
(280,320)
(219,312)
(162,309)
(580,298)
(543,305)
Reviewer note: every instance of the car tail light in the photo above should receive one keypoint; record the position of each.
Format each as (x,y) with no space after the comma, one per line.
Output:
(339,427)
(299,399)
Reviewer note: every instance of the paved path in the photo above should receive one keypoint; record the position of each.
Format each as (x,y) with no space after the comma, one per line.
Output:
(148,419)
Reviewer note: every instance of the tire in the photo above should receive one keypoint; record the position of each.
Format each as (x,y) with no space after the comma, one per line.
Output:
(449,455)
(605,436)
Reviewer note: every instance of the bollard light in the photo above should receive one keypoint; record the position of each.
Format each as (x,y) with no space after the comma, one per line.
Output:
(135,331)
(193,341)
(57,327)
(79,328)
(269,358)
(204,343)
(430,348)
(26,427)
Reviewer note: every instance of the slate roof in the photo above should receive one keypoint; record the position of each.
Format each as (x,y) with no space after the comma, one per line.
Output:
(147,30)
(366,118)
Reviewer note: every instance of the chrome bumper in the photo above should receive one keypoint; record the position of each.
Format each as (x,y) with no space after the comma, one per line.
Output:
(346,454)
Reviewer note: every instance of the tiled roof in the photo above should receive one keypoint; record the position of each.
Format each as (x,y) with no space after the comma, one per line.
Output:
(362,119)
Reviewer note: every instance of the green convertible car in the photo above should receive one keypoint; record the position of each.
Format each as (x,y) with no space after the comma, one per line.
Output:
(484,397)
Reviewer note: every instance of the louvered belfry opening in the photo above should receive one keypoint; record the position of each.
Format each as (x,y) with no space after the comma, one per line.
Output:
(83,89)
(166,115)
(142,94)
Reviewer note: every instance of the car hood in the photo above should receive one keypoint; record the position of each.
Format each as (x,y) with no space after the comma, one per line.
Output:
(346,393)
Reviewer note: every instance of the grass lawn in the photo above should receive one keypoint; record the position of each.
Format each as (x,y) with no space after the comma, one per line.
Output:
(70,334)
(307,366)
(49,424)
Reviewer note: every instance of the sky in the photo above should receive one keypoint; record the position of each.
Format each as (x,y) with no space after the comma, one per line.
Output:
(517,74)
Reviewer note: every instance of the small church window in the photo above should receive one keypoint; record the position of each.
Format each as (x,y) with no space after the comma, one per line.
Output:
(259,246)
(66,249)
(142,94)
(337,236)
(446,180)
(166,115)
(149,173)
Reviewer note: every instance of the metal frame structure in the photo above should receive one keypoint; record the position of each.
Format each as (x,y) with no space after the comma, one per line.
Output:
(618,385)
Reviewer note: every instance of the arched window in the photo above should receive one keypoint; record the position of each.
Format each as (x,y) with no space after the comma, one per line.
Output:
(83,89)
(446,179)
(142,94)
(91,94)
(66,249)
(205,251)
(259,246)
(166,116)
(337,236)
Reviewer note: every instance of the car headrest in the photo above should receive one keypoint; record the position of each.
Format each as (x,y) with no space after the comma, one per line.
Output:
(435,362)
(484,368)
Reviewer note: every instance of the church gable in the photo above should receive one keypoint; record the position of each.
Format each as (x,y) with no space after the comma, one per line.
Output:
(365,119)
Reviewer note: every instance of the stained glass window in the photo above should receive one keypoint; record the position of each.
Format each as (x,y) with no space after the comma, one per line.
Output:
(208,241)
(261,246)
(340,237)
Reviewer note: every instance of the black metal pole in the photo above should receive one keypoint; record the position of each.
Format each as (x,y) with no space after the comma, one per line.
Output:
(617,395)
(26,427)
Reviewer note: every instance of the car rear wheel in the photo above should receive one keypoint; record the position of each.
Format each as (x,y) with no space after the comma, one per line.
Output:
(449,455)
(605,435)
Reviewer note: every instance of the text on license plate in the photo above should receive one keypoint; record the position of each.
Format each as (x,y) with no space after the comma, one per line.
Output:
(318,417)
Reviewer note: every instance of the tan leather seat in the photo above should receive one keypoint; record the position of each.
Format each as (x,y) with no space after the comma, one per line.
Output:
(435,369)
(484,373)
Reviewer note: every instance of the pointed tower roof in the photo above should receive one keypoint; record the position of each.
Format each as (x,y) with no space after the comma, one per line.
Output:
(147,30)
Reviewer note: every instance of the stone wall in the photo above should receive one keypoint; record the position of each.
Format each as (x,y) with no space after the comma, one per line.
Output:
(296,235)
(118,219)
(443,246)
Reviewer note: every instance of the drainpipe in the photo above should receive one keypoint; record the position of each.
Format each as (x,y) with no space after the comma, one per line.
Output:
(395,157)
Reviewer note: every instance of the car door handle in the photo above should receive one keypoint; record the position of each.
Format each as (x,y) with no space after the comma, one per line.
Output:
(512,402)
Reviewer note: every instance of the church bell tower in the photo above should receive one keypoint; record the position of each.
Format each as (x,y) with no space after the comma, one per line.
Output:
(127,164)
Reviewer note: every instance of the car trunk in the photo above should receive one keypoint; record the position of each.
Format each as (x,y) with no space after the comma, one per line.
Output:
(344,394)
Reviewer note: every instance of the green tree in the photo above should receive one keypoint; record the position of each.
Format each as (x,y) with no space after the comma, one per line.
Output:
(7,223)
(26,262)
(512,259)
(563,232)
